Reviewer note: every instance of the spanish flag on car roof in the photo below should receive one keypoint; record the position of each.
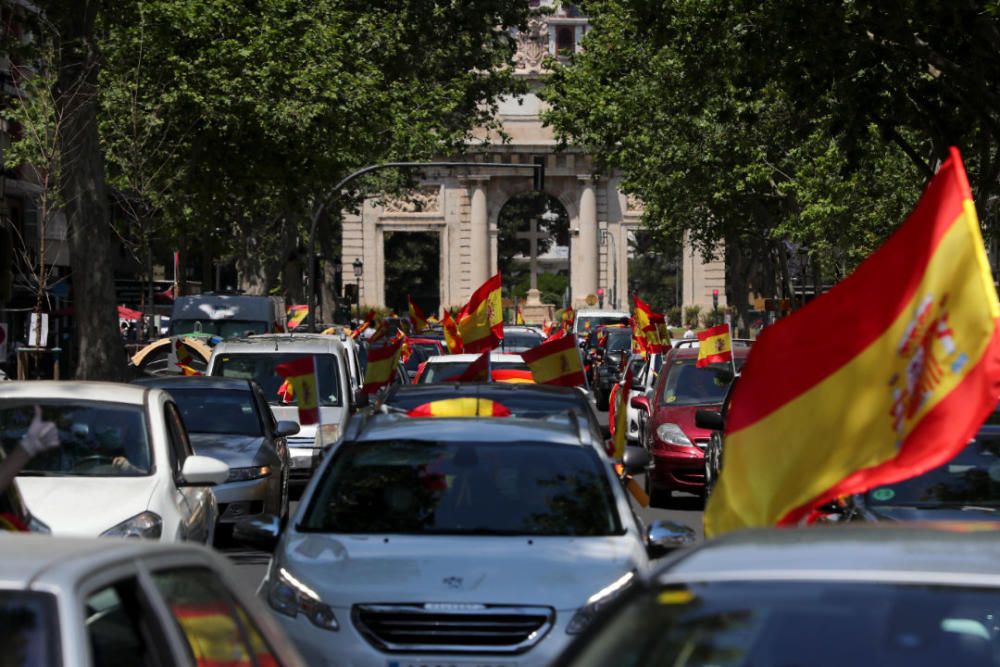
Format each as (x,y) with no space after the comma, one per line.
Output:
(715,345)
(884,377)
(481,321)
(461,407)
(556,362)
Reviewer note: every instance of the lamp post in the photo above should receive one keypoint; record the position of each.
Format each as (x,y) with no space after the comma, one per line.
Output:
(338,281)
(358,269)
(606,236)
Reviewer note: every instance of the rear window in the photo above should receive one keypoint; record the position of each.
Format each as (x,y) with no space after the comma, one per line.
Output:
(217,411)
(686,384)
(29,629)
(259,366)
(445,372)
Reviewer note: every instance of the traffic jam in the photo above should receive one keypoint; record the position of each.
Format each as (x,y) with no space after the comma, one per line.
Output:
(430,491)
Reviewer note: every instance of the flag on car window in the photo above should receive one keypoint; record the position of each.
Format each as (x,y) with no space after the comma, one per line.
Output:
(480,322)
(382,362)
(477,371)
(300,374)
(461,407)
(715,345)
(556,362)
(418,321)
(452,338)
(903,366)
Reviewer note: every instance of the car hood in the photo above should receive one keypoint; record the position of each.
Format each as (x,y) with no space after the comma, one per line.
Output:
(561,572)
(903,513)
(85,506)
(236,450)
(683,416)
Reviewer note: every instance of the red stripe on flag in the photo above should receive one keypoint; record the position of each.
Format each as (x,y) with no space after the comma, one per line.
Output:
(547,348)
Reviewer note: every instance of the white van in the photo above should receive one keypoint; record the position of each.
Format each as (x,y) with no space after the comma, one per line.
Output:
(589,319)
(255,357)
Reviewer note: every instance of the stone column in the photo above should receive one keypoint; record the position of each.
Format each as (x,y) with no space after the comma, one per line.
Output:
(583,243)
(479,233)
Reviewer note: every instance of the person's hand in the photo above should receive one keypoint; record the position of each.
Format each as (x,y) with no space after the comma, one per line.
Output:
(122,464)
(41,436)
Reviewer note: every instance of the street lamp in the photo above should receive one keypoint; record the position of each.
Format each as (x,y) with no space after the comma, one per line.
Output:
(606,235)
(358,270)
(338,281)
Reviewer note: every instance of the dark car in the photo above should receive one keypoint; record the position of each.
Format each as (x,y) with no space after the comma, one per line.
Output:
(229,419)
(614,345)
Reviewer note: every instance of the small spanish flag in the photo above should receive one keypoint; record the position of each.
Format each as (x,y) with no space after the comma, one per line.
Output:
(519,318)
(296,316)
(185,359)
(369,318)
(301,375)
(382,362)
(512,376)
(715,345)
(480,322)
(418,321)
(452,338)
(477,371)
(461,407)
(556,362)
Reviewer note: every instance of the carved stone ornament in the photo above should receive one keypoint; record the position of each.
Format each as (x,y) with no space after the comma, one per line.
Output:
(532,47)
(422,200)
(633,203)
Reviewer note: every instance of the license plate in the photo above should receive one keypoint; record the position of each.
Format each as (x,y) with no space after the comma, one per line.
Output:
(446,663)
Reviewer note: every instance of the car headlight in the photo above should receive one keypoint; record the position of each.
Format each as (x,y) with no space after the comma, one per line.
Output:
(673,434)
(585,614)
(327,434)
(244,474)
(145,524)
(289,596)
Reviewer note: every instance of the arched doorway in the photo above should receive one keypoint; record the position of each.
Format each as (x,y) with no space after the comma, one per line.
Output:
(533,247)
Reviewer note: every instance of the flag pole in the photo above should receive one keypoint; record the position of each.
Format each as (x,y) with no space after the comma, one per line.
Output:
(732,348)
(319,406)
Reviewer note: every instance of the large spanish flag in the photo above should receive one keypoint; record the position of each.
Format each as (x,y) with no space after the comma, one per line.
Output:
(884,377)
(556,362)
(481,321)
(417,318)
(382,362)
(715,345)
(452,338)
(460,407)
(300,375)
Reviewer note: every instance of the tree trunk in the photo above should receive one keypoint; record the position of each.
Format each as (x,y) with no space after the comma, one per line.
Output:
(100,354)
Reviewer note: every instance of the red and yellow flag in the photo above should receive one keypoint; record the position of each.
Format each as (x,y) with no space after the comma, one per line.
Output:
(519,317)
(512,376)
(477,371)
(301,374)
(884,377)
(461,407)
(452,338)
(297,315)
(556,362)
(381,367)
(185,359)
(418,321)
(715,345)
(369,318)
(480,322)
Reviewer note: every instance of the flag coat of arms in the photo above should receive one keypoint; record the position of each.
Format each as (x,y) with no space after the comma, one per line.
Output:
(480,323)
(556,362)
(715,345)
(300,374)
(884,377)
(382,362)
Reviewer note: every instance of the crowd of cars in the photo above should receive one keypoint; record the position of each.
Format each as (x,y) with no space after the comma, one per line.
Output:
(457,539)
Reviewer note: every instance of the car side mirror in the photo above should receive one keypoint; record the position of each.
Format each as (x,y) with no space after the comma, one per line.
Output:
(709,419)
(260,532)
(662,537)
(640,403)
(203,471)
(636,460)
(286,428)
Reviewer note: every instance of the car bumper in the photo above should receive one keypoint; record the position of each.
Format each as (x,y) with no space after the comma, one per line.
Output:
(348,648)
(239,500)
(679,470)
(303,461)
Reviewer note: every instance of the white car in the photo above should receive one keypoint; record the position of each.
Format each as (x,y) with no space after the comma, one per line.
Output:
(588,320)
(77,602)
(255,358)
(454,541)
(447,366)
(124,466)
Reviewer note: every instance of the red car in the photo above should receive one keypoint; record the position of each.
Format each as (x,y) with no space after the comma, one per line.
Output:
(676,444)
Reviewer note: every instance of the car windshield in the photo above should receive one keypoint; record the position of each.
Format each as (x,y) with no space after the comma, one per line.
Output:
(221,328)
(518,342)
(814,624)
(470,488)
(619,340)
(96,439)
(448,371)
(971,478)
(686,384)
(217,411)
(30,633)
(259,366)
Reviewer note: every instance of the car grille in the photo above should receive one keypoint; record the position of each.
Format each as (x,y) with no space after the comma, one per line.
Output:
(452,628)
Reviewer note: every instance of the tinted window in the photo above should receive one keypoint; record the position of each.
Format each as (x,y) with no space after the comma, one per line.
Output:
(445,372)
(515,488)
(520,341)
(29,630)
(217,411)
(96,439)
(619,339)
(120,629)
(221,328)
(588,322)
(686,384)
(790,623)
(259,366)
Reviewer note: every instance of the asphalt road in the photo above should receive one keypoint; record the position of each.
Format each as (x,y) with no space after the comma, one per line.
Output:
(251,565)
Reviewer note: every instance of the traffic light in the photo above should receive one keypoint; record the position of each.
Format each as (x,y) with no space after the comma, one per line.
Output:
(715,299)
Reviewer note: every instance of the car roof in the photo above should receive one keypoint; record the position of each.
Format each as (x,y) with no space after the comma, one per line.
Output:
(32,558)
(956,553)
(305,342)
(692,352)
(590,312)
(519,328)
(111,392)
(440,391)
(173,382)
(494,356)
(558,429)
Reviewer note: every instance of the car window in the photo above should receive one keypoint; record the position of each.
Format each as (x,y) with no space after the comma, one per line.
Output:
(221,328)
(259,366)
(446,371)
(686,384)
(218,411)
(121,629)
(29,627)
(218,630)
(454,488)
(97,439)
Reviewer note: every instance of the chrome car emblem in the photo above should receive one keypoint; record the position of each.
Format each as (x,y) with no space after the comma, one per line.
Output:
(453,582)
